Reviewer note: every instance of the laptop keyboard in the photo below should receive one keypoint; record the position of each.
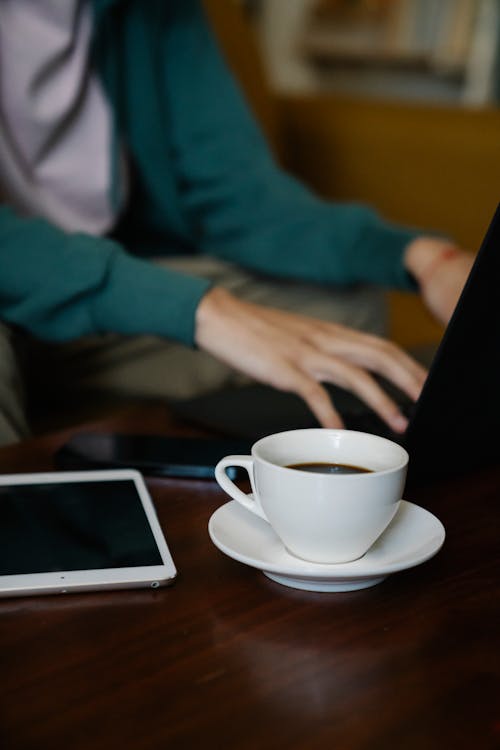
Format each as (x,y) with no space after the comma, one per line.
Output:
(257,410)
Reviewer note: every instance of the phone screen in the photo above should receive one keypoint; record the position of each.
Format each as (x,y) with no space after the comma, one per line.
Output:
(154,455)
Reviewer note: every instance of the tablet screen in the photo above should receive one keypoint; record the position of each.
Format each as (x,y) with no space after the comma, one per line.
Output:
(74,526)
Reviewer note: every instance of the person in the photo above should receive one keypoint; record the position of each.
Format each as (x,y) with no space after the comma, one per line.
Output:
(151,246)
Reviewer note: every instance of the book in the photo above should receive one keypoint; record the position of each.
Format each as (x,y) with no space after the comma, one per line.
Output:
(449,47)
(482,74)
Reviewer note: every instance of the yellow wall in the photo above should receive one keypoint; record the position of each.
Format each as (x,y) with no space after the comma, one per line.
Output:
(431,166)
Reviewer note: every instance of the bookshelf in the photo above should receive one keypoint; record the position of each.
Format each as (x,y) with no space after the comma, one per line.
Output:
(444,51)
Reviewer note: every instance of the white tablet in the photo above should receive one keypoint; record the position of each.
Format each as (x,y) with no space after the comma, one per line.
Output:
(79,531)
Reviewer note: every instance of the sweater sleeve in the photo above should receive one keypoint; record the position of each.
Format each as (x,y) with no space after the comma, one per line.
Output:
(246,209)
(61,286)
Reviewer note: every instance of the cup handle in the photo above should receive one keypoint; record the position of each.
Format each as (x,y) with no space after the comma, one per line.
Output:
(245,462)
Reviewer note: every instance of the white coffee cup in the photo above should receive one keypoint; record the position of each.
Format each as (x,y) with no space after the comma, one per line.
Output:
(320,517)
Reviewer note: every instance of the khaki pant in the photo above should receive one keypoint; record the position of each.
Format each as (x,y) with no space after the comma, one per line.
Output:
(151,367)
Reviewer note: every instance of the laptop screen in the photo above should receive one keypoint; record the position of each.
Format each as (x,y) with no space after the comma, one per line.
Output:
(454,428)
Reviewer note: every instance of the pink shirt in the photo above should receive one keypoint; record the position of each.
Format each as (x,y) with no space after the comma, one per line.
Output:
(56,125)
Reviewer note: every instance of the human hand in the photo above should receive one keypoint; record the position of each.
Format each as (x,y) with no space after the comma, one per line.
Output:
(296,353)
(441,270)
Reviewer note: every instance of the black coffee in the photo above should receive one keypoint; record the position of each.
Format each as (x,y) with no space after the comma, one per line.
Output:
(318,467)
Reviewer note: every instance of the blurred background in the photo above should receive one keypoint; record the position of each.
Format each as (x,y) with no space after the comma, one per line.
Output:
(395,103)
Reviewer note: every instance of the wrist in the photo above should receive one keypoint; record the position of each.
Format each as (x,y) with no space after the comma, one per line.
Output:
(210,307)
(447,253)
(425,256)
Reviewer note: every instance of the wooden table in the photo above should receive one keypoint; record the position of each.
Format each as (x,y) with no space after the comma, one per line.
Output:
(227,658)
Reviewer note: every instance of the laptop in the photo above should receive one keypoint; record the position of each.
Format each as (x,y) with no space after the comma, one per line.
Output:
(454,427)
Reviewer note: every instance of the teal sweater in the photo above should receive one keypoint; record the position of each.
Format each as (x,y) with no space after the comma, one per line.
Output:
(204,182)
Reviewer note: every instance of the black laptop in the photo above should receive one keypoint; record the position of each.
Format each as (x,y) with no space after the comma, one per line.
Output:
(455,425)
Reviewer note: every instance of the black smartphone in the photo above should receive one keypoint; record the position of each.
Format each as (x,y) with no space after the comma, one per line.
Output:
(152,455)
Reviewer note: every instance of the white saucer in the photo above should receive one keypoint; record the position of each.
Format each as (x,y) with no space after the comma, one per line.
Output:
(413,536)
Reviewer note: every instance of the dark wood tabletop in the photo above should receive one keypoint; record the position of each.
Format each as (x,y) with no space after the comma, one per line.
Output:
(226,658)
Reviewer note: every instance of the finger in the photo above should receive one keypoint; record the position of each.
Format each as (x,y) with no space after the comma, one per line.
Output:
(382,357)
(365,350)
(395,365)
(317,399)
(363,385)
(362,349)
